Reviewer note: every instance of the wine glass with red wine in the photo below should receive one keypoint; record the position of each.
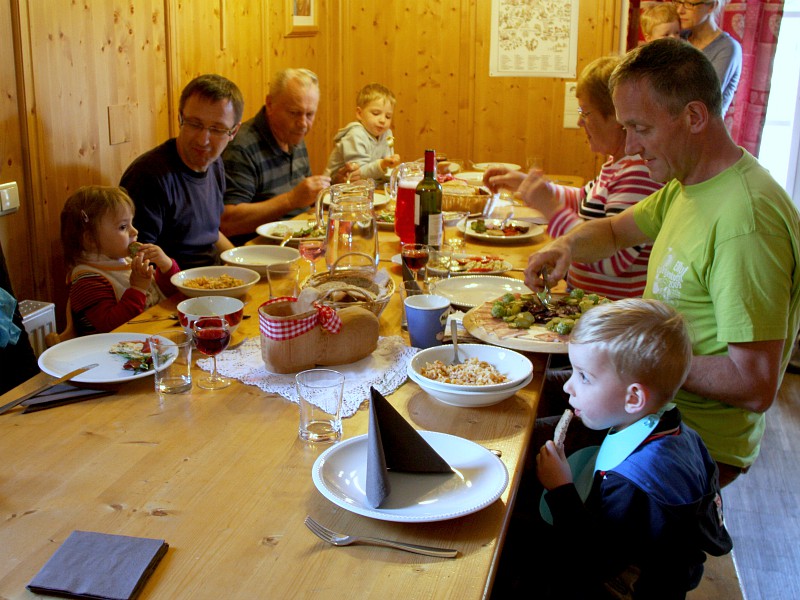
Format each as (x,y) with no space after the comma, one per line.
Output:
(311,250)
(211,336)
(415,256)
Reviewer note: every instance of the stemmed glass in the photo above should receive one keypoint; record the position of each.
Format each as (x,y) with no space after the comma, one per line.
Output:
(311,250)
(211,336)
(415,256)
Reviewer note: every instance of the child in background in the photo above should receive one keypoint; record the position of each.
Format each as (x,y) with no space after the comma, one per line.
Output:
(111,277)
(660,21)
(365,141)
(642,512)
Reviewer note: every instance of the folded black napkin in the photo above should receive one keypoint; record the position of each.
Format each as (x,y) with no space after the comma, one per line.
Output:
(99,565)
(61,394)
(394,444)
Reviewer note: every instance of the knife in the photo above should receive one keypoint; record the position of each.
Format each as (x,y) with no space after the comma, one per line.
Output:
(7,407)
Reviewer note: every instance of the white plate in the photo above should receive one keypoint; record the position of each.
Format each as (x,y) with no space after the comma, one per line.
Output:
(433,270)
(471,177)
(533,231)
(77,352)
(479,478)
(268,230)
(479,324)
(473,290)
(487,165)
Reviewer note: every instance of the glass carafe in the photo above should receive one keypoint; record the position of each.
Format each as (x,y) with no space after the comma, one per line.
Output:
(351,236)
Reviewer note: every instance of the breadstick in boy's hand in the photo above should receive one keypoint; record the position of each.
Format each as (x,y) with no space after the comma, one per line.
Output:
(561,429)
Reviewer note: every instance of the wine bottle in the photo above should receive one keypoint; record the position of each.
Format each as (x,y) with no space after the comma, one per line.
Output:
(428,206)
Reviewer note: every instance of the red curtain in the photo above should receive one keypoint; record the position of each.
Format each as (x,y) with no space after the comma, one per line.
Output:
(755,24)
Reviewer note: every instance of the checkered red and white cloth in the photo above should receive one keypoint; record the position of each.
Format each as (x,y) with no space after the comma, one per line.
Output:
(285,328)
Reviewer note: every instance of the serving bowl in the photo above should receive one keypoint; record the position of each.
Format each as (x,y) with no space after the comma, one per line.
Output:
(248,276)
(211,306)
(465,399)
(260,258)
(516,367)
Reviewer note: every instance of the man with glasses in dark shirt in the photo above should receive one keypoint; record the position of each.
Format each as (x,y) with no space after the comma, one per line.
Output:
(178,187)
(267,171)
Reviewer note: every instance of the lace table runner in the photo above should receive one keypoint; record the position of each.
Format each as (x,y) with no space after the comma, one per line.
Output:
(385,369)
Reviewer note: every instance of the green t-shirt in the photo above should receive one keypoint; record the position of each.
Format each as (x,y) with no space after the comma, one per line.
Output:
(726,256)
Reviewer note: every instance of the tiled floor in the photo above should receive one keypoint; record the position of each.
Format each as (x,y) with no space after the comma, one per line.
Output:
(761,507)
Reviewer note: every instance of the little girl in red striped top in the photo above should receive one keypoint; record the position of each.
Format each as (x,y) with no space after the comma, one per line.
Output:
(112,278)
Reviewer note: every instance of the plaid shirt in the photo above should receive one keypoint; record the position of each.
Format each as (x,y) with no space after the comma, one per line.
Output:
(256,168)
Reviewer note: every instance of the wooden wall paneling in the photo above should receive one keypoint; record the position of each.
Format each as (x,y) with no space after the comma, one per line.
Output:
(415,49)
(225,37)
(78,63)
(14,230)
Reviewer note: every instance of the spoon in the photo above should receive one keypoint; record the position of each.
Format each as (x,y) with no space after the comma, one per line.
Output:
(454,335)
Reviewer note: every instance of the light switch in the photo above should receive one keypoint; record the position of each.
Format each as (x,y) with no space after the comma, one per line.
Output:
(9,198)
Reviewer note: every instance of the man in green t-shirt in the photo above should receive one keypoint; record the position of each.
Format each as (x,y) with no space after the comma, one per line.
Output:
(725,245)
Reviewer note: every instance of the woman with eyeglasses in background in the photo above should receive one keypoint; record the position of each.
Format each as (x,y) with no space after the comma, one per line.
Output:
(622,182)
(700,24)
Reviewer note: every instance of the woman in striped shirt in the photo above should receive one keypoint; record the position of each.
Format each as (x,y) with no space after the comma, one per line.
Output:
(622,182)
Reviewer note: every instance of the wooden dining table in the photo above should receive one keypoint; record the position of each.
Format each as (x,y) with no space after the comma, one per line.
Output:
(223,478)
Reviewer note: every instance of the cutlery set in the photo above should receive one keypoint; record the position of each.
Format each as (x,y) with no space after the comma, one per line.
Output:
(341,539)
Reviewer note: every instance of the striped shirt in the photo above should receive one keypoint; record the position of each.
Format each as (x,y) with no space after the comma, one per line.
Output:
(257,168)
(619,185)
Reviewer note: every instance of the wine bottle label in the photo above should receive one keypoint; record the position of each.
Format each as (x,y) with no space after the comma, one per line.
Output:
(435,230)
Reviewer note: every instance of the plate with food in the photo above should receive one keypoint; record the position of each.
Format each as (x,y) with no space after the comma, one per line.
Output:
(385,219)
(119,357)
(473,290)
(502,231)
(523,322)
(479,478)
(300,230)
(488,165)
(467,264)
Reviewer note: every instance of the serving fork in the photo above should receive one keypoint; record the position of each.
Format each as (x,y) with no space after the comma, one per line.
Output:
(340,539)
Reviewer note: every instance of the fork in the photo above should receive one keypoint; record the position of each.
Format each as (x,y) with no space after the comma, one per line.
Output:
(544,296)
(340,539)
(170,317)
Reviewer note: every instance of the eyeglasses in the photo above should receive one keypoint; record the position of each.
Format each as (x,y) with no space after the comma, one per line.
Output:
(198,127)
(688,5)
(584,113)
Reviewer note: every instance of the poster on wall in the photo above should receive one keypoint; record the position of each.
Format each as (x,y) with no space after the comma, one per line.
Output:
(534,38)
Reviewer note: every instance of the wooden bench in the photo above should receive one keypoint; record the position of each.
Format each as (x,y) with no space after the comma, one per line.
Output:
(720,580)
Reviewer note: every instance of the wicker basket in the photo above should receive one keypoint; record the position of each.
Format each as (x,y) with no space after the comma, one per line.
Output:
(379,286)
(466,197)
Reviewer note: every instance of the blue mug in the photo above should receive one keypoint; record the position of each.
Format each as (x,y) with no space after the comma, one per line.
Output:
(426,315)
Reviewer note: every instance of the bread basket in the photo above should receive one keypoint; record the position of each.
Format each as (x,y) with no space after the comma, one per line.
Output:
(460,196)
(366,288)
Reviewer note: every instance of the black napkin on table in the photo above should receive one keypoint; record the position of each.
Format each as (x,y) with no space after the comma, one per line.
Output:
(392,443)
(99,565)
(61,394)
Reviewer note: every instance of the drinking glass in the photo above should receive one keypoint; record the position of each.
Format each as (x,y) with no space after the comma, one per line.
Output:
(211,336)
(415,256)
(311,250)
(455,223)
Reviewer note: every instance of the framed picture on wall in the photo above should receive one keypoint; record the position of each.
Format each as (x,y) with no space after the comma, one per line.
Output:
(302,18)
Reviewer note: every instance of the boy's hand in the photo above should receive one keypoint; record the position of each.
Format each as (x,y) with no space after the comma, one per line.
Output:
(390,162)
(552,466)
(141,272)
(156,256)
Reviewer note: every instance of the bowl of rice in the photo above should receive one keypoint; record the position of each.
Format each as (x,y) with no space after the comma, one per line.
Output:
(215,281)
(486,374)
